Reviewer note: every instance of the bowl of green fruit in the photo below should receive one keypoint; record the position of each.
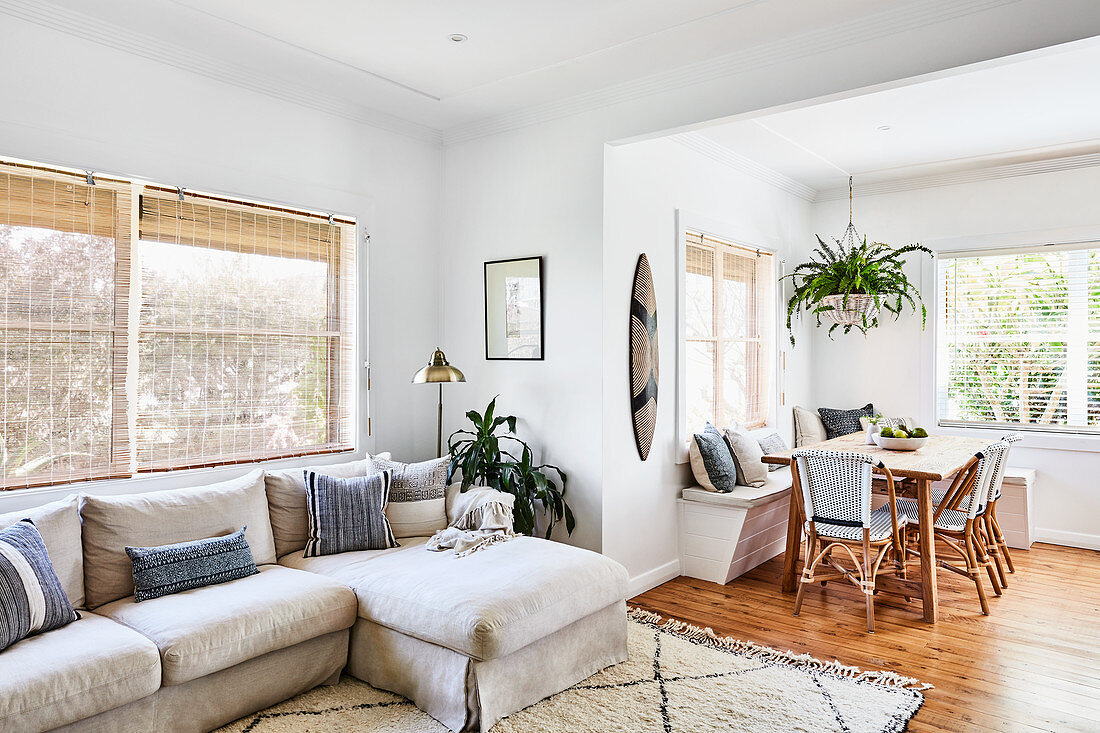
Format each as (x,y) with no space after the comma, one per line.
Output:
(899,438)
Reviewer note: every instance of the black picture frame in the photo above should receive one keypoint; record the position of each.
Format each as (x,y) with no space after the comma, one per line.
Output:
(496,354)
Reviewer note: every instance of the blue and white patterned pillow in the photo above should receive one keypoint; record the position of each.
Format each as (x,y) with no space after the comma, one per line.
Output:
(31,597)
(717,459)
(843,422)
(349,514)
(773,443)
(167,569)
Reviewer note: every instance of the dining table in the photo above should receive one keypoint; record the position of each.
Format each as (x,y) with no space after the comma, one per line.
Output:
(941,457)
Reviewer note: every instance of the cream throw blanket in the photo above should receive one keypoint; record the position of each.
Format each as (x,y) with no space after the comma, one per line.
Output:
(482,518)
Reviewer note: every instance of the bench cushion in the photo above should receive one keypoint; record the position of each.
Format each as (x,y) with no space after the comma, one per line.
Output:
(111,523)
(485,605)
(74,672)
(208,629)
(777,486)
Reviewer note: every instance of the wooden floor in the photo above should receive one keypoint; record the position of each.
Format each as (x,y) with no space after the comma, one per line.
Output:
(1032,665)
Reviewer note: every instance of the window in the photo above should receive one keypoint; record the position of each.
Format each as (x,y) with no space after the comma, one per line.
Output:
(727,326)
(1019,339)
(233,340)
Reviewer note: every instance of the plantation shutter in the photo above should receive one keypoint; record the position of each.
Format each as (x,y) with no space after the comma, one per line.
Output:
(728,333)
(64,287)
(1019,338)
(246,333)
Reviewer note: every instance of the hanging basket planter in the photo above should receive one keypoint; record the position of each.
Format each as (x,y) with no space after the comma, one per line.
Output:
(848,310)
(872,274)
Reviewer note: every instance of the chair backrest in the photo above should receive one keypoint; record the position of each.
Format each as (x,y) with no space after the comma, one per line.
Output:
(836,486)
(991,463)
(997,476)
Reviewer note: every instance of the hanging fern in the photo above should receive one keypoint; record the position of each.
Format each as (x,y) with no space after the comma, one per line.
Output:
(874,269)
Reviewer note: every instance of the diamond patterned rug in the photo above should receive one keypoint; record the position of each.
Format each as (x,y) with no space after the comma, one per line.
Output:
(679,678)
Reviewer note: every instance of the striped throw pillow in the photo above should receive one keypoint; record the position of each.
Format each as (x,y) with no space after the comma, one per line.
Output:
(31,597)
(349,514)
(162,571)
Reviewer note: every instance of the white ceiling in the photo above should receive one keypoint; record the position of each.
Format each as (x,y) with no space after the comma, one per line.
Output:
(395,56)
(1043,107)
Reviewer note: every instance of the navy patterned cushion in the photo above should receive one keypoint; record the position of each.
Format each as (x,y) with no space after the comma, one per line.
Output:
(346,515)
(773,443)
(843,422)
(717,458)
(168,569)
(31,597)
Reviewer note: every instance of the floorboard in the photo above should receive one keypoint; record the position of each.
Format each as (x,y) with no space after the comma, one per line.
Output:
(1032,665)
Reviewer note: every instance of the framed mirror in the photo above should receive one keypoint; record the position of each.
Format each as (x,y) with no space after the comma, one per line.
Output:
(514,324)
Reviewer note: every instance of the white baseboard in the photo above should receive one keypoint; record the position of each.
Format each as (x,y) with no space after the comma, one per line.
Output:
(653,578)
(1069,539)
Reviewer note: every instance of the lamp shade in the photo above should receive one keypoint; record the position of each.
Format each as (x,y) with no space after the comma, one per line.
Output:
(438,370)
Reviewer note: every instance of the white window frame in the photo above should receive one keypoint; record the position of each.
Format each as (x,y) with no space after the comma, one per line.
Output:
(748,237)
(990,244)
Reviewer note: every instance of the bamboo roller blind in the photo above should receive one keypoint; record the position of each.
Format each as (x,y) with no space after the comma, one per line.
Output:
(738,334)
(64,286)
(234,343)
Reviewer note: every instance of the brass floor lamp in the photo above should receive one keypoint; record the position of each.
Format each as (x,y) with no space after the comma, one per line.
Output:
(438,371)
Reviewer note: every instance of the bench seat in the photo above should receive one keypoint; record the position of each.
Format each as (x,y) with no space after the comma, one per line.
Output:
(724,535)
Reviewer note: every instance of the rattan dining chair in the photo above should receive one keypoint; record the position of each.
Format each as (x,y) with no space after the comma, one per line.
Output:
(995,538)
(836,498)
(958,519)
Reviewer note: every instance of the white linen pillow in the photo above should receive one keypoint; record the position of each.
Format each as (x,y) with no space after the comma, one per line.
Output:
(751,471)
(808,427)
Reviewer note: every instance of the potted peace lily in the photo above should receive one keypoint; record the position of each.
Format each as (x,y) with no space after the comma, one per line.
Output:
(852,282)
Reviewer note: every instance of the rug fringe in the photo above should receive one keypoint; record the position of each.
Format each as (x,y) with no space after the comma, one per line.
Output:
(758,651)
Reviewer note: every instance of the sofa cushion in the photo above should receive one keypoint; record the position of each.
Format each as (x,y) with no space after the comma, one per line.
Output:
(208,629)
(74,672)
(286,499)
(111,523)
(484,605)
(59,525)
(161,571)
(843,422)
(751,471)
(712,460)
(417,504)
(808,427)
(347,514)
(32,600)
(777,486)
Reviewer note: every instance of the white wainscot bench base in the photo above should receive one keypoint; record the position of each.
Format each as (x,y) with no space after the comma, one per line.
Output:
(723,536)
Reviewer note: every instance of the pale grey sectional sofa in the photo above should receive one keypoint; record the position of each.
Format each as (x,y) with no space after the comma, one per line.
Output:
(469,639)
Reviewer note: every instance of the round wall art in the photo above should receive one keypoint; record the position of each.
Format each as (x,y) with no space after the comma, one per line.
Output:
(643,357)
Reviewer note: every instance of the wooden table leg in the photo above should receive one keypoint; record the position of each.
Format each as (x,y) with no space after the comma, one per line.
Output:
(794,545)
(927,549)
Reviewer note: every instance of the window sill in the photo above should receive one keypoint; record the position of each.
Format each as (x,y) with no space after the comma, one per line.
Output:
(1039,440)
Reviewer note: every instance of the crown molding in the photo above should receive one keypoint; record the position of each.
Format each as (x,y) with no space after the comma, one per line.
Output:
(703,145)
(975,175)
(898,19)
(90,28)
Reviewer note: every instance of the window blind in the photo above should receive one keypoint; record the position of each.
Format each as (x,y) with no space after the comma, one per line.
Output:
(233,342)
(64,285)
(245,339)
(1019,339)
(728,332)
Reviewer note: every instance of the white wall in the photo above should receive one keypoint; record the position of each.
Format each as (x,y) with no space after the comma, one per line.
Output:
(539,190)
(174,127)
(644,186)
(893,366)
